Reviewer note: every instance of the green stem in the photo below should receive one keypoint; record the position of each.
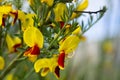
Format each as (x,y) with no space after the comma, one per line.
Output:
(55,39)
(10,66)
(30,72)
(91,25)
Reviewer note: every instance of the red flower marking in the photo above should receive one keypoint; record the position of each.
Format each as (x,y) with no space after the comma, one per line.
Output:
(61,59)
(57,71)
(16,46)
(16,16)
(61,24)
(32,51)
(3,21)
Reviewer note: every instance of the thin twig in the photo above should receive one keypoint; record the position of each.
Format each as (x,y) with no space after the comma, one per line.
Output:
(90,12)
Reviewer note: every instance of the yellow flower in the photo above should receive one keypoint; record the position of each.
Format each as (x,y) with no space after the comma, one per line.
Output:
(13,43)
(47,65)
(108,46)
(26,19)
(2,63)
(34,39)
(11,77)
(83,5)
(4,10)
(59,10)
(67,46)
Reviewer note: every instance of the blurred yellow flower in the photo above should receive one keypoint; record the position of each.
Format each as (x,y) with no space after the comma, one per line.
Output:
(13,43)
(59,10)
(4,10)
(34,39)
(47,65)
(26,19)
(1,0)
(2,63)
(108,46)
(11,77)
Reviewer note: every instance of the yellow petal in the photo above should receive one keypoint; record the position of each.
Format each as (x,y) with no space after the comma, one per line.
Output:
(45,71)
(5,9)
(32,36)
(11,77)
(27,21)
(21,15)
(41,63)
(48,2)
(74,15)
(50,63)
(1,15)
(11,42)
(2,63)
(17,40)
(77,31)
(32,58)
(69,44)
(83,5)
(59,11)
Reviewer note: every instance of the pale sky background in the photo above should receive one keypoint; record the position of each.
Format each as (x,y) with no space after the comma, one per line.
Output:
(109,25)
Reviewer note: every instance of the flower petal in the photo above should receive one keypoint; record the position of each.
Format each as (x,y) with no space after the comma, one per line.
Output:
(2,63)
(32,51)
(41,63)
(83,5)
(77,31)
(45,71)
(33,36)
(57,72)
(13,43)
(59,11)
(61,59)
(69,44)
(5,9)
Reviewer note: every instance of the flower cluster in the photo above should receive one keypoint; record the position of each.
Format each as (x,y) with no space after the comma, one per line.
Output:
(46,35)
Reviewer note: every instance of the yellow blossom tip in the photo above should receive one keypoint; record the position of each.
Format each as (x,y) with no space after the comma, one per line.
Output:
(2,63)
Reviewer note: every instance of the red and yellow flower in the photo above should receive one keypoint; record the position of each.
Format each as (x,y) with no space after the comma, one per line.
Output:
(34,39)
(47,65)
(6,10)
(13,43)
